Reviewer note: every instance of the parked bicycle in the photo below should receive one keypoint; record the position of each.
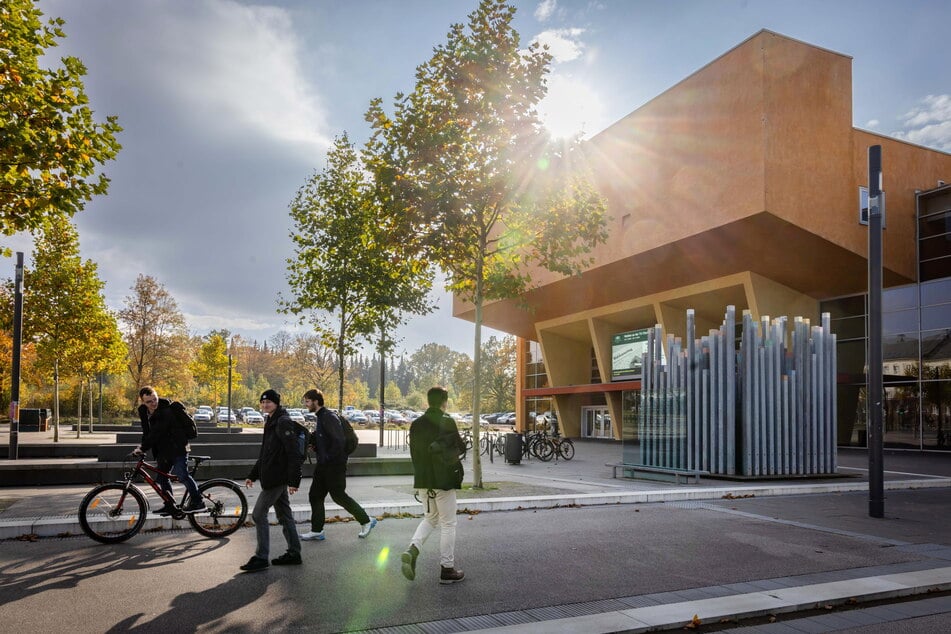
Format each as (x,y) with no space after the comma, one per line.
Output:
(554,446)
(114,512)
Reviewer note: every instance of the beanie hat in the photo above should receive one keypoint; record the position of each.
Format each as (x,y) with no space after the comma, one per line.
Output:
(271,395)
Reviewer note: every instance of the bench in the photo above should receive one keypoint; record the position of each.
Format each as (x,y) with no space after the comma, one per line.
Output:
(677,474)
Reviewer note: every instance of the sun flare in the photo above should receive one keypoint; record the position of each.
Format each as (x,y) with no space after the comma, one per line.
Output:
(570,108)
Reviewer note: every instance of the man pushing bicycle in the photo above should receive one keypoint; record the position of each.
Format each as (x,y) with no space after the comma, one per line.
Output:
(165,426)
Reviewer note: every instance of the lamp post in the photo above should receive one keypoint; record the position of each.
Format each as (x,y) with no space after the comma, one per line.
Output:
(15,374)
(876,210)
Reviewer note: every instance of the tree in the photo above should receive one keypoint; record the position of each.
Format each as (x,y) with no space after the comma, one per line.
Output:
(156,335)
(65,313)
(470,177)
(210,367)
(498,380)
(50,145)
(344,274)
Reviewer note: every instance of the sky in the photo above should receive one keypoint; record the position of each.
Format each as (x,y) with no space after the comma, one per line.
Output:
(229,106)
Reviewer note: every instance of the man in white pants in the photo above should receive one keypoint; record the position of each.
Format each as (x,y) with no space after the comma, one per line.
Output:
(435,446)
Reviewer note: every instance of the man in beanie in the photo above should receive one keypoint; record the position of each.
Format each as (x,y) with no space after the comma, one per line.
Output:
(279,468)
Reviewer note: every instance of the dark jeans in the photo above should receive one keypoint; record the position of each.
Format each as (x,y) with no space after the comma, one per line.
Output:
(278,498)
(332,479)
(179,468)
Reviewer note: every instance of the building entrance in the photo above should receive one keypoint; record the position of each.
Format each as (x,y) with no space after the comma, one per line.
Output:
(596,423)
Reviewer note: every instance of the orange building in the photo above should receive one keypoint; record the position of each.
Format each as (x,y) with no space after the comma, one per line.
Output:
(740,185)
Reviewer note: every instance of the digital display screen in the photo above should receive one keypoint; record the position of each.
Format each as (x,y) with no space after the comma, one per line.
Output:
(626,351)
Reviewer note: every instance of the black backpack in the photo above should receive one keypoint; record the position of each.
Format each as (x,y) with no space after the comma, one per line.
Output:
(304,440)
(186,421)
(350,439)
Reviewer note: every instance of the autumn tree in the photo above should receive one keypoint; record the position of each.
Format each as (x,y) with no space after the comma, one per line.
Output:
(499,376)
(50,145)
(65,312)
(156,335)
(469,174)
(210,367)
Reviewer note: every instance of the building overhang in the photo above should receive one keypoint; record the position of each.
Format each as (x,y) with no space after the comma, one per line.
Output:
(761,243)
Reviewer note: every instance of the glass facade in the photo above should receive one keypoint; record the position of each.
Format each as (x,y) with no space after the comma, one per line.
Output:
(916,345)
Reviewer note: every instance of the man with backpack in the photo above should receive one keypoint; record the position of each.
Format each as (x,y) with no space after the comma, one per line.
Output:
(279,468)
(330,444)
(435,447)
(166,430)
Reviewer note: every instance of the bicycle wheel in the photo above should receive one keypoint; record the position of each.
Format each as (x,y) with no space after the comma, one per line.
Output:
(484,445)
(545,450)
(227,509)
(113,512)
(567,449)
(500,445)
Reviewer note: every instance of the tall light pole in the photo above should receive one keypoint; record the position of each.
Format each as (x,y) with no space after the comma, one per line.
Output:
(15,374)
(876,210)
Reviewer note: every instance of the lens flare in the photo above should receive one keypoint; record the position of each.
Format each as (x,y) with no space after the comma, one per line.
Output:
(383,557)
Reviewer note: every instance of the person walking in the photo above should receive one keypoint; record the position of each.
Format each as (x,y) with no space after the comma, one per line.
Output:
(279,468)
(164,431)
(330,471)
(435,447)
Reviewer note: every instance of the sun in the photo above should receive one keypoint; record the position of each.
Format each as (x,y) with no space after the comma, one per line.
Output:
(570,108)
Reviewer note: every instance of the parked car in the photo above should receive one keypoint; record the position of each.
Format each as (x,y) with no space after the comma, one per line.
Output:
(373,416)
(297,415)
(253,417)
(309,416)
(225,415)
(508,418)
(203,414)
(356,417)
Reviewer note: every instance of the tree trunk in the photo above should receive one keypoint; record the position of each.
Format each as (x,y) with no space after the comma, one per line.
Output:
(56,400)
(79,407)
(340,350)
(476,390)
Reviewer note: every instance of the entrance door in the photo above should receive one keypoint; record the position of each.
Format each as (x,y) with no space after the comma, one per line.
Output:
(596,423)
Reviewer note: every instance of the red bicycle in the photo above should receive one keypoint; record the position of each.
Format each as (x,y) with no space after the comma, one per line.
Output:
(114,512)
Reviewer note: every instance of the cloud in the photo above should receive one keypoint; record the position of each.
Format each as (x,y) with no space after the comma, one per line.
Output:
(563,44)
(873,123)
(545,9)
(237,69)
(928,123)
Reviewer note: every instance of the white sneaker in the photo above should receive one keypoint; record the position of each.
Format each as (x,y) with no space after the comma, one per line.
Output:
(311,536)
(367,528)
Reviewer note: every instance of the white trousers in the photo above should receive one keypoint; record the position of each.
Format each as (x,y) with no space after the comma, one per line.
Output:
(441,512)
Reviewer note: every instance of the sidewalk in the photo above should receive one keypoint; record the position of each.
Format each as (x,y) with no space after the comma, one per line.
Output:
(918,513)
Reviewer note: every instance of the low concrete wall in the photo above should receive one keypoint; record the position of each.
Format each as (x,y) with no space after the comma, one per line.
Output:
(12,474)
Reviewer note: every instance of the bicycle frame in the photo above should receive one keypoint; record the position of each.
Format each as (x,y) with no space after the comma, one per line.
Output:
(143,468)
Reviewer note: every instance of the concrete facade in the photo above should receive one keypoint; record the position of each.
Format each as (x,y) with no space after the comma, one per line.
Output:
(739,185)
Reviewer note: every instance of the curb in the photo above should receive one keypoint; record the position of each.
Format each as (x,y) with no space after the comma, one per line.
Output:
(741,606)
(69,525)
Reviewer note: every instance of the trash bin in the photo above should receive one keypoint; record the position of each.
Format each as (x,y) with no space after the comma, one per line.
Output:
(34,419)
(513,448)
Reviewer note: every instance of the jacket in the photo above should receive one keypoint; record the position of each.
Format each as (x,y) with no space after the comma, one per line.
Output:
(163,432)
(279,461)
(435,446)
(329,441)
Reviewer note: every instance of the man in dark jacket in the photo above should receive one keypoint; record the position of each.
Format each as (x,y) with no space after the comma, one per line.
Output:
(330,472)
(163,431)
(435,446)
(279,468)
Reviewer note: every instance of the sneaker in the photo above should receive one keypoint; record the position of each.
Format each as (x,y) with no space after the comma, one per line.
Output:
(254,564)
(451,575)
(367,528)
(313,536)
(287,559)
(165,511)
(409,562)
(195,506)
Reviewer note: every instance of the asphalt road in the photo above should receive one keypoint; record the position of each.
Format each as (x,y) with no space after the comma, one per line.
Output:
(179,581)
